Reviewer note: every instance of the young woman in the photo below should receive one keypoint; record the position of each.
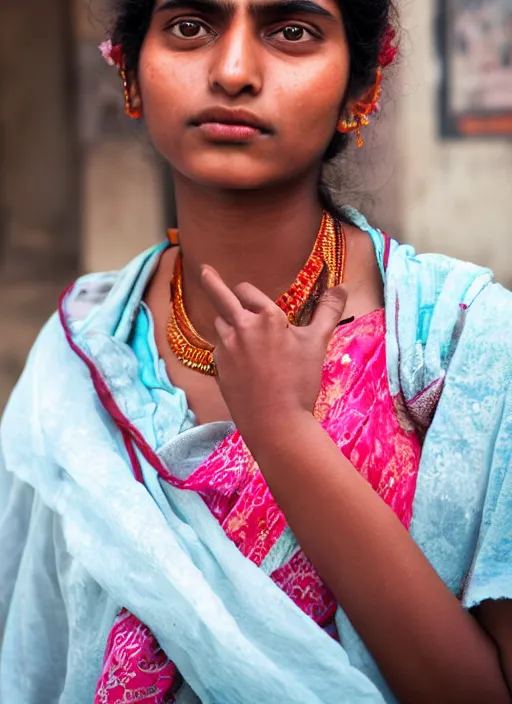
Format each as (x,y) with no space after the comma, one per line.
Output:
(270,460)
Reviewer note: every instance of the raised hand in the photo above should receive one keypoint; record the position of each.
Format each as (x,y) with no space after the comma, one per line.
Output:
(267,367)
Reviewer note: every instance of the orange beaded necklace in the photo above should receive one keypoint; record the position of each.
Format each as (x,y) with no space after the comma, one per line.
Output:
(324,269)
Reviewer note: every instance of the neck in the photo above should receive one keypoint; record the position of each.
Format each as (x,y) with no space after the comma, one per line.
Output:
(263,237)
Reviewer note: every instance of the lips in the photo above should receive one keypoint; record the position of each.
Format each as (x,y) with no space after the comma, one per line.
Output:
(235,118)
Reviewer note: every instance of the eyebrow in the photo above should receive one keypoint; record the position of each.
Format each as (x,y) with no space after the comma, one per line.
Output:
(281,7)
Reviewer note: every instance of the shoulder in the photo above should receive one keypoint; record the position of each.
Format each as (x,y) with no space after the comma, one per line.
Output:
(77,302)
(88,293)
(366,239)
(435,291)
(445,316)
(432,272)
(91,292)
(363,278)
(490,321)
(443,288)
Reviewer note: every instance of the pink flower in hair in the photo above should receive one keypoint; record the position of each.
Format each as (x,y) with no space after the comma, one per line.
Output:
(113,55)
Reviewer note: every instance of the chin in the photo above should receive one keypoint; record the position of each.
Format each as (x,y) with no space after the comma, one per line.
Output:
(233,171)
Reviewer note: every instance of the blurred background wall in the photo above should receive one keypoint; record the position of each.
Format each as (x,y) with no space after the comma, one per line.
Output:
(81,190)
(444,195)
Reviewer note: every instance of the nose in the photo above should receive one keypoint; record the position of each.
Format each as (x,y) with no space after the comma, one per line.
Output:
(236,63)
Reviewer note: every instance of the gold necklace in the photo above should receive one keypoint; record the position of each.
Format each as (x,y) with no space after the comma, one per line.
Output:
(324,269)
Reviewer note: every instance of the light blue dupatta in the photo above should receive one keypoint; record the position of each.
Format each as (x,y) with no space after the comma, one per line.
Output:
(80,537)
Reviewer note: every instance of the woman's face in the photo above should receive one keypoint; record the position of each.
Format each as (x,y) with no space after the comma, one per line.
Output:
(243,93)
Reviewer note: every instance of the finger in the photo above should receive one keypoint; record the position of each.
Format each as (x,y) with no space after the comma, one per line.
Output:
(224,332)
(253,299)
(222,298)
(223,329)
(329,311)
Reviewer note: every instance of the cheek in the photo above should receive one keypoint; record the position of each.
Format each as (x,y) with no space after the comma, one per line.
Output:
(313,99)
(167,90)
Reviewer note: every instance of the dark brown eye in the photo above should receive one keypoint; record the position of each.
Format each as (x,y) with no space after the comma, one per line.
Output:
(293,34)
(188,29)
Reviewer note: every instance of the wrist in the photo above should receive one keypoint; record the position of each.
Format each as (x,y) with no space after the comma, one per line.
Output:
(275,429)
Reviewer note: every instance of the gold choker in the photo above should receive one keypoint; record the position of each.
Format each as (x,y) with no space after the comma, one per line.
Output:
(324,269)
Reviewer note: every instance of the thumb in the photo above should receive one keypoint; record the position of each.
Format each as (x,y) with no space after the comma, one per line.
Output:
(329,311)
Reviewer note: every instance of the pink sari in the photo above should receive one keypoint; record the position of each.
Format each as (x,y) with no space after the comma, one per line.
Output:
(356,408)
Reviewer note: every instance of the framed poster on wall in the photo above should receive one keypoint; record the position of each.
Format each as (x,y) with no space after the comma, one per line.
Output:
(476,64)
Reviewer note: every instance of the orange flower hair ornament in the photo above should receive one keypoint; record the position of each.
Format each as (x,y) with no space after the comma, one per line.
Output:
(369,104)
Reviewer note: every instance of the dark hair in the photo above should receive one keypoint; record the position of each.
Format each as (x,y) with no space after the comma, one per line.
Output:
(366,24)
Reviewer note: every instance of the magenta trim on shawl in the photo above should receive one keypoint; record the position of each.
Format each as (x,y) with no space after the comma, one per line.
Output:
(134,460)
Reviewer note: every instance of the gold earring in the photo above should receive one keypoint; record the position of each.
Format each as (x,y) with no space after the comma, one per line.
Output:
(354,124)
(134,113)
(363,110)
